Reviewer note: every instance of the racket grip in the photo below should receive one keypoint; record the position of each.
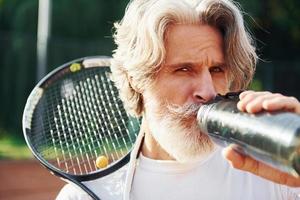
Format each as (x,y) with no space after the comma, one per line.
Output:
(272,138)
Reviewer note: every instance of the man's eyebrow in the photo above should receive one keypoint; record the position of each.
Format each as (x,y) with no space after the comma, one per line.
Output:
(180,64)
(192,64)
(218,63)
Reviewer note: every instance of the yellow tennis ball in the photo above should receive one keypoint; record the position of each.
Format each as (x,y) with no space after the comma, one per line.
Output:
(75,67)
(102,162)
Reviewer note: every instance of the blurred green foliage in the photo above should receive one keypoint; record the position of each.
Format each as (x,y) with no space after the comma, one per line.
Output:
(276,26)
(13,147)
(83,28)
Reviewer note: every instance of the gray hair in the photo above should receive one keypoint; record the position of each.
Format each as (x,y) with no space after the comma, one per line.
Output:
(140,43)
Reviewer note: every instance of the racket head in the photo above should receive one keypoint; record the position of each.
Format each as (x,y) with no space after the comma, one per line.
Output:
(74,115)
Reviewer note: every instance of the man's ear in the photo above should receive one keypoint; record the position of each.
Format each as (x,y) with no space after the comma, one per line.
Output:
(132,85)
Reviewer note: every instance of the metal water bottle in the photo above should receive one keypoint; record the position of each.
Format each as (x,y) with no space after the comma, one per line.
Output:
(270,137)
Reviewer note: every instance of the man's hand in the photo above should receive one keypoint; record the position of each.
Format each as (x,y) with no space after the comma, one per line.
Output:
(253,102)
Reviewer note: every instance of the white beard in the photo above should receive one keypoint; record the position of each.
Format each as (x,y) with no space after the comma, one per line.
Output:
(185,144)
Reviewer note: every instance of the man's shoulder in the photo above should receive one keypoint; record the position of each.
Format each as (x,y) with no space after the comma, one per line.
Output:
(108,187)
(72,192)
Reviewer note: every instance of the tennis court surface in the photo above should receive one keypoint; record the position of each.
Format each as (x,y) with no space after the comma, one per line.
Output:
(27,180)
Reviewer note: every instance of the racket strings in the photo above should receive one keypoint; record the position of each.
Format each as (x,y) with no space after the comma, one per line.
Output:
(81,119)
(90,112)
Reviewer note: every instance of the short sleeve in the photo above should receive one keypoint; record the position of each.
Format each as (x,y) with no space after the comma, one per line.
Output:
(72,192)
(294,193)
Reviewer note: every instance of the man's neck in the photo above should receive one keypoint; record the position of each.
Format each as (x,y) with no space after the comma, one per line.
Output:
(151,148)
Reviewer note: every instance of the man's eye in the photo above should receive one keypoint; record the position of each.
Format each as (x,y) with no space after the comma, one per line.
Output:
(216,69)
(183,69)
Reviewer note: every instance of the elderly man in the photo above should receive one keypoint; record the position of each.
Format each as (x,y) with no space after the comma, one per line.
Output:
(172,56)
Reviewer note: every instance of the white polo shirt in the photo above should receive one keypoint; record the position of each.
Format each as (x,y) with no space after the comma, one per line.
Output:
(211,178)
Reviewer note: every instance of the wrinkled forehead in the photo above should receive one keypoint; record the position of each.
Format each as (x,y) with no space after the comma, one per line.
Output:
(193,43)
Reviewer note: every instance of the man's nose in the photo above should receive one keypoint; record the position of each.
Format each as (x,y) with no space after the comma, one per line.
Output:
(204,88)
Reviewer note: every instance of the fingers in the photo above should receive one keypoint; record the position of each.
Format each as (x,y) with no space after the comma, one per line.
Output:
(282,103)
(253,102)
(248,164)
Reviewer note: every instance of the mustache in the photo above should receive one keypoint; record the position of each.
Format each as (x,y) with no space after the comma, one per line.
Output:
(184,112)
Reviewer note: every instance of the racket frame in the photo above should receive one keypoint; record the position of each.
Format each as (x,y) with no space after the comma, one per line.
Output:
(77,179)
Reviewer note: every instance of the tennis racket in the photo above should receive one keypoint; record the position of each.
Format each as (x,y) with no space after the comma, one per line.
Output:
(75,124)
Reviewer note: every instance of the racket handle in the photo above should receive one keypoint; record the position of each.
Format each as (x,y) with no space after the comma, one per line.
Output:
(272,138)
